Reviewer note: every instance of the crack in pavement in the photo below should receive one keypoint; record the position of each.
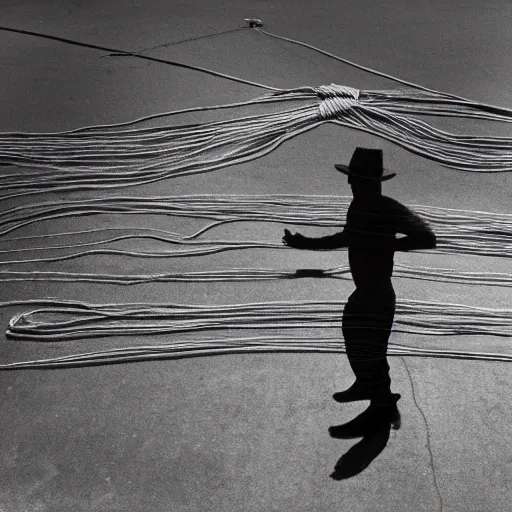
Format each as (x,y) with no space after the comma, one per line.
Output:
(429,447)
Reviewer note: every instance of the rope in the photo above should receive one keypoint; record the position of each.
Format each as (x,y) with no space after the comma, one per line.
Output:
(475,229)
(355,65)
(457,231)
(111,157)
(67,320)
(444,275)
(240,345)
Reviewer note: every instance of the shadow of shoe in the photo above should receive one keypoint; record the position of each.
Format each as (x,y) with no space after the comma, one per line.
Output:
(362,454)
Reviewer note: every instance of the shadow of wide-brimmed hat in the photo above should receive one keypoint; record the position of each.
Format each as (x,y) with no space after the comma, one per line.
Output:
(366,163)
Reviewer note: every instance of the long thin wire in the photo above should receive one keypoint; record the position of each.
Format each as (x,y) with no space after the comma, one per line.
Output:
(355,65)
(181,41)
(136,55)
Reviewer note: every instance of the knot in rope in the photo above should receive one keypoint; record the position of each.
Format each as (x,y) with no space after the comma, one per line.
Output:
(336,91)
(336,99)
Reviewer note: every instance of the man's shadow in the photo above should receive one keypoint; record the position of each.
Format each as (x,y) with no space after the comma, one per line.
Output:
(362,454)
(374,439)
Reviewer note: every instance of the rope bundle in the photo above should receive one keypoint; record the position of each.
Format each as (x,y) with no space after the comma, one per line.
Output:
(240,345)
(103,157)
(114,156)
(458,231)
(71,320)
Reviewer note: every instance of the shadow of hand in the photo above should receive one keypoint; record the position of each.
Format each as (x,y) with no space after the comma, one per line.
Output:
(309,272)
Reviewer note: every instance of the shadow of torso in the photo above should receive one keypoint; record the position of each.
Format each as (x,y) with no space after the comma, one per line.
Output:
(371,228)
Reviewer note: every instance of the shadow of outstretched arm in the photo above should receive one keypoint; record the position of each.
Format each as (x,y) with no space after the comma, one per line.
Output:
(309,272)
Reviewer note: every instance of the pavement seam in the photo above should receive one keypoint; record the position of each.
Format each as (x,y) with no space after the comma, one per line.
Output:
(429,447)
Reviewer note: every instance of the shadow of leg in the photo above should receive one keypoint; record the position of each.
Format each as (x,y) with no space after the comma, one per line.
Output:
(361,455)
